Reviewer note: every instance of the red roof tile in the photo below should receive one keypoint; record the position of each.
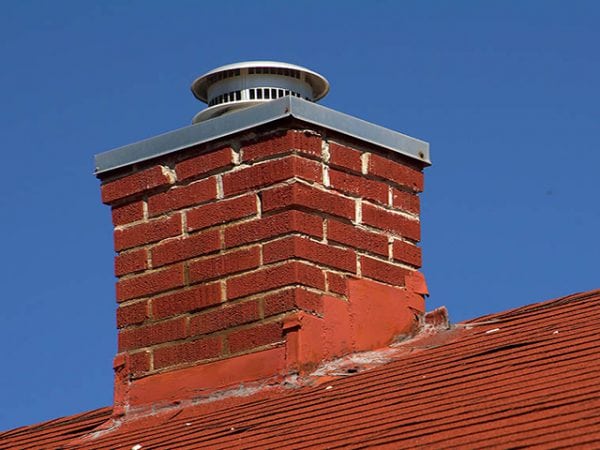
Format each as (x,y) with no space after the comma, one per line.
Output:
(53,434)
(525,377)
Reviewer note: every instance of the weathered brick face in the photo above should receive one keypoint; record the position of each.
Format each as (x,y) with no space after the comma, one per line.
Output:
(217,247)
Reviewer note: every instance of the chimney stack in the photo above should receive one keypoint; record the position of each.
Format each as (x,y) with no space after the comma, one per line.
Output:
(271,236)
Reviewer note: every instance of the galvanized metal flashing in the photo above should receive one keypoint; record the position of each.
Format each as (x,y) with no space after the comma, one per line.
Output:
(246,119)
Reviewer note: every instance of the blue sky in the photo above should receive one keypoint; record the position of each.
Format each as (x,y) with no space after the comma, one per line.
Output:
(505,92)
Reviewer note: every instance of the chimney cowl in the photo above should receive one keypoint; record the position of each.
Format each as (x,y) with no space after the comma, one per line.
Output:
(241,85)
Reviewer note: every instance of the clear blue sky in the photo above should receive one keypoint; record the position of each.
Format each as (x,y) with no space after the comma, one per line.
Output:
(506,92)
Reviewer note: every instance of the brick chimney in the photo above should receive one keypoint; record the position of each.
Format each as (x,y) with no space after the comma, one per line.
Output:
(267,238)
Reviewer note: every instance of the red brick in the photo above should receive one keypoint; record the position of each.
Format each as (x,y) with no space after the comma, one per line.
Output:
(346,157)
(185,248)
(133,314)
(297,195)
(406,201)
(183,196)
(221,212)
(258,336)
(147,232)
(382,271)
(227,264)
(336,283)
(150,283)
(291,299)
(135,184)
(396,172)
(271,172)
(206,163)
(269,278)
(359,186)
(187,352)
(407,253)
(296,141)
(357,238)
(225,317)
(131,212)
(153,334)
(391,221)
(130,262)
(139,362)
(271,226)
(298,247)
(189,300)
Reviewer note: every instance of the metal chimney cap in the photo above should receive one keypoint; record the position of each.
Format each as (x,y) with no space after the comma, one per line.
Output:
(241,85)
(318,82)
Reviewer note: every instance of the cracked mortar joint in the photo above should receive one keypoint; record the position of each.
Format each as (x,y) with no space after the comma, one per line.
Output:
(325,151)
(170,174)
(364,160)
(326,181)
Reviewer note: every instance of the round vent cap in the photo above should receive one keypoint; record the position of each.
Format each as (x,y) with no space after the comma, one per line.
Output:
(240,85)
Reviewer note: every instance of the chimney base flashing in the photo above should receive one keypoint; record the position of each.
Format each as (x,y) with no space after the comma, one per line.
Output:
(372,318)
(248,118)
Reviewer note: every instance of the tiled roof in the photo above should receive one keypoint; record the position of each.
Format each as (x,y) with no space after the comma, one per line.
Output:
(525,377)
(53,434)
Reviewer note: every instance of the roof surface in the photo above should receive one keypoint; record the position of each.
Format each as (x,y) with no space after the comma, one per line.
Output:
(54,434)
(524,377)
